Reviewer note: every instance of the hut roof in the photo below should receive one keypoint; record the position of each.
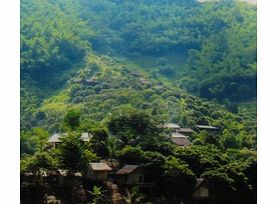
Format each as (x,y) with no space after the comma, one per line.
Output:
(127,169)
(199,182)
(177,134)
(100,167)
(209,127)
(171,125)
(186,130)
(56,138)
(181,141)
(85,136)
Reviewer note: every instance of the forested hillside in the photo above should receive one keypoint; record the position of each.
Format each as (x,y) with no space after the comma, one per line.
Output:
(122,69)
(192,44)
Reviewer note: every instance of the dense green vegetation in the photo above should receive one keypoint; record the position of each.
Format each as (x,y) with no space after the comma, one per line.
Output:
(216,42)
(230,172)
(121,69)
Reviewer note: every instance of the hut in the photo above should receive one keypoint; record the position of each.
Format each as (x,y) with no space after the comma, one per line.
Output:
(180,140)
(98,171)
(85,137)
(54,140)
(130,175)
(185,131)
(207,127)
(171,126)
(201,192)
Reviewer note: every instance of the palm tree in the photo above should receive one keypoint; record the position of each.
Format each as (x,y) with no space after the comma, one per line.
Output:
(97,194)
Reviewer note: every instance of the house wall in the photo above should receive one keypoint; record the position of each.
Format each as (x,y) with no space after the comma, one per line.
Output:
(201,192)
(135,178)
(97,175)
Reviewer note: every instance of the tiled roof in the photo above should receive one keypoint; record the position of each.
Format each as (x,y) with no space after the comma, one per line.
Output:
(207,127)
(100,167)
(85,137)
(181,141)
(55,138)
(186,130)
(177,134)
(127,169)
(171,125)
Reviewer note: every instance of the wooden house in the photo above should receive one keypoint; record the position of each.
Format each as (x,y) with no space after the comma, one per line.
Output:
(130,175)
(85,137)
(54,140)
(180,140)
(185,131)
(66,178)
(201,192)
(98,171)
(208,128)
(172,126)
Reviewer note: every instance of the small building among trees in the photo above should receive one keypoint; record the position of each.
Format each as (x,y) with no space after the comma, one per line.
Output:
(98,171)
(180,140)
(130,175)
(171,126)
(54,140)
(201,192)
(185,131)
(207,127)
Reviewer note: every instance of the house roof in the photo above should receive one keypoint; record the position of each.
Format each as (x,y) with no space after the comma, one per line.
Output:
(100,167)
(171,125)
(207,127)
(85,136)
(186,130)
(56,138)
(144,81)
(181,141)
(127,169)
(199,182)
(177,134)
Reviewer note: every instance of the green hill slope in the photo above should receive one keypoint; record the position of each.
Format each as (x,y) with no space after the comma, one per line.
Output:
(100,56)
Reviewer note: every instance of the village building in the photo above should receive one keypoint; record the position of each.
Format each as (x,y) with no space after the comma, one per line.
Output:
(171,126)
(136,74)
(144,81)
(207,127)
(185,131)
(85,137)
(130,175)
(201,192)
(113,163)
(180,140)
(98,171)
(67,178)
(54,140)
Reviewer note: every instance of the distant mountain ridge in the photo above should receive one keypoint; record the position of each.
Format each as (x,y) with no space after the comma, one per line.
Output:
(248,1)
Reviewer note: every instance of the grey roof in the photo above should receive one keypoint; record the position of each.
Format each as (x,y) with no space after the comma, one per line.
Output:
(177,134)
(56,138)
(186,130)
(199,182)
(127,169)
(100,167)
(85,136)
(181,141)
(207,127)
(171,125)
